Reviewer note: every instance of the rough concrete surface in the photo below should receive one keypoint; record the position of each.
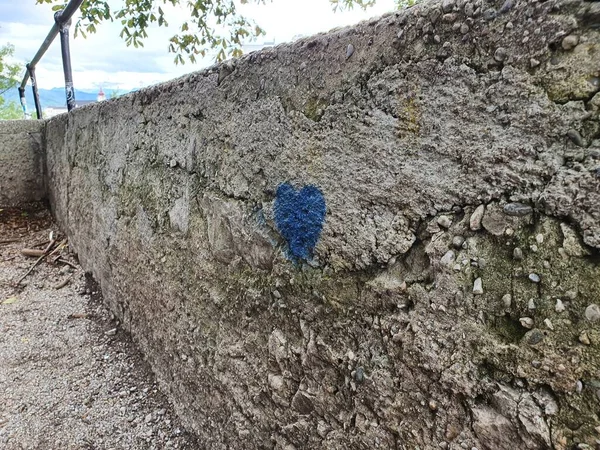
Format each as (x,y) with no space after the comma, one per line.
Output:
(21,161)
(451,300)
(69,379)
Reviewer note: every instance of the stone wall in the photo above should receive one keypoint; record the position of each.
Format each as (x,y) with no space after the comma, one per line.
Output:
(382,237)
(21,162)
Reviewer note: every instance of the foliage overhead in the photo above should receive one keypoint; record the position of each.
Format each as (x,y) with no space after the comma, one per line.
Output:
(212,25)
(8,80)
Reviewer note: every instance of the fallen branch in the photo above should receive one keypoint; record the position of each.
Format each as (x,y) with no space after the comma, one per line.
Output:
(63,283)
(32,252)
(64,261)
(9,241)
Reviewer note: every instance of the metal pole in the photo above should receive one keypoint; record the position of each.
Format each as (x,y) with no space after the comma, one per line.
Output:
(62,20)
(23,100)
(63,30)
(34,88)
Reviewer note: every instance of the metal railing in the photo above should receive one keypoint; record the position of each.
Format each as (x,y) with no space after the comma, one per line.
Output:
(62,22)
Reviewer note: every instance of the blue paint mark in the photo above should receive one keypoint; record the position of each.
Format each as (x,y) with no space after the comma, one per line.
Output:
(299,216)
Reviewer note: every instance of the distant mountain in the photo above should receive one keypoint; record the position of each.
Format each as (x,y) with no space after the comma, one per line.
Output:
(50,98)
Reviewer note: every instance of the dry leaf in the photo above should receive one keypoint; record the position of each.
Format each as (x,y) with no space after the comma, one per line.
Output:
(9,301)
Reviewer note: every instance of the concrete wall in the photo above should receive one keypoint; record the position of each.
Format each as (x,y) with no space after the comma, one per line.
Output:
(21,162)
(382,237)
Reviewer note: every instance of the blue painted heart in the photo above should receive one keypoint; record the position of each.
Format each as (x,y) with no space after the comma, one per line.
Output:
(299,216)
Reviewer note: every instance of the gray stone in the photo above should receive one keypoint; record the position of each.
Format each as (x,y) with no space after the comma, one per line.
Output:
(500,54)
(476,217)
(534,278)
(570,42)
(517,209)
(592,313)
(518,254)
(534,337)
(444,221)
(478,287)
(349,51)
(458,241)
(448,258)
(506,7)
(575,137)
(447,5)
(526,322)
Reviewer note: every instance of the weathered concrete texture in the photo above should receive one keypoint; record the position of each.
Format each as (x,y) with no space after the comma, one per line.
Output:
(436,312)
(21,162)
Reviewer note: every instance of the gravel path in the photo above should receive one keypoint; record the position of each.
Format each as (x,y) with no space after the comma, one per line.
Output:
(69,378)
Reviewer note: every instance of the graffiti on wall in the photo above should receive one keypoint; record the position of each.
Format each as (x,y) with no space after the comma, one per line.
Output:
(299,216)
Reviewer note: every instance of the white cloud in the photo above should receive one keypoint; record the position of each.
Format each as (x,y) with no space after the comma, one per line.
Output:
(104,60)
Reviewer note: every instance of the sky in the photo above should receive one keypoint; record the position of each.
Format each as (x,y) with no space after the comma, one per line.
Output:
(103,59)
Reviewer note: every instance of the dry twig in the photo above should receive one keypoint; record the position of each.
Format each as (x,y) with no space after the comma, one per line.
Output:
(39,260)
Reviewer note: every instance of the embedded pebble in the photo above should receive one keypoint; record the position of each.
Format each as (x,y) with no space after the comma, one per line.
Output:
(506,6)
(534,277)
(448,258)
(518,253)
(527,322)
(534,337)
(476,217)
(457,241)
(517,209)
(500,54)
(584,338)
(349,51)
(570,42)
(575,137)
(464,28)
(531,304)
(534,248)
(447,5)
(539,238)
(359,375)
(111,332)
(548,324)
(579,386)
(433,405)
(592,312)
(534,63)
(456,267)
(444,221)
(449,18)
(489,14)
(560,306)
(478,287)
(507,300)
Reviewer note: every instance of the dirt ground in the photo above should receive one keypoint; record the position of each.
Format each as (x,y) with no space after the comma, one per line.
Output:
(69,377)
